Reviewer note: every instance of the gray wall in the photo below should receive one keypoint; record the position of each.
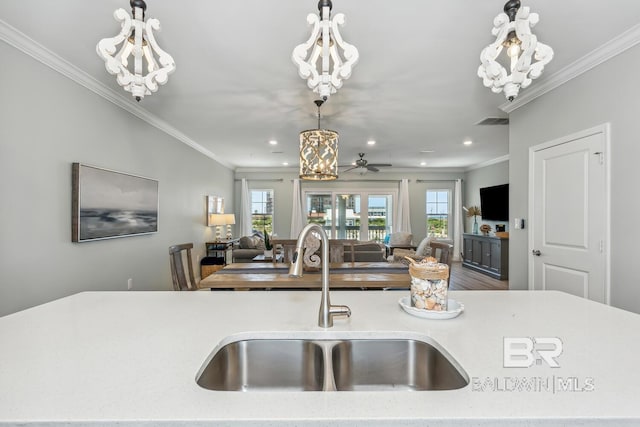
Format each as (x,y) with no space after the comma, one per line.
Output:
(283,199)
(48,122)
(608,93)
(475,179)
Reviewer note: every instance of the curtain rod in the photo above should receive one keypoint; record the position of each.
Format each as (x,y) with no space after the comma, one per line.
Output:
(263,180)
(356,180)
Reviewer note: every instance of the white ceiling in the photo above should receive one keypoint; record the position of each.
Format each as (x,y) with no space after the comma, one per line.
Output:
(415,87)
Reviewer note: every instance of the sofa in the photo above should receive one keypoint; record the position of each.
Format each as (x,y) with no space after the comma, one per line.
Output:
(358,251)
(248,247)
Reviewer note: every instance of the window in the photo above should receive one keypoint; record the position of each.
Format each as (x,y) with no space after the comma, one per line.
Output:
(379,216)
(438,212)
(361,215)
(319,210)
(262,211)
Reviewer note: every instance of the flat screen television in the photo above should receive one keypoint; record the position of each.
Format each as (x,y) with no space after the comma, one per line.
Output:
(494,203)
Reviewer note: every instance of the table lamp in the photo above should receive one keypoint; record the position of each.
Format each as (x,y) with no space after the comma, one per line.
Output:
(229,219)
(217,220)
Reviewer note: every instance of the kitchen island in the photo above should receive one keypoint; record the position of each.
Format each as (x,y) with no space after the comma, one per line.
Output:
(131,358)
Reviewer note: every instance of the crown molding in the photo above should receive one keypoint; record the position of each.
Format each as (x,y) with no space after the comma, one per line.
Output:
(22,42)
(613,47)
(279,169)
(495,161)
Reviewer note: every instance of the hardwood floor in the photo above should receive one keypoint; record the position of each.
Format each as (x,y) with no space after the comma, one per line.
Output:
(465,279)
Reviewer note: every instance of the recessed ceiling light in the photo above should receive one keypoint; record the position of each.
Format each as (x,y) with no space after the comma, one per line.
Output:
(428,151)
(273,142)
(285,164)
(423,163)
(371,142)
(468,142)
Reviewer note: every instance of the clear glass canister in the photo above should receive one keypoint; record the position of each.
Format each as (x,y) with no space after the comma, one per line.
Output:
(429,285)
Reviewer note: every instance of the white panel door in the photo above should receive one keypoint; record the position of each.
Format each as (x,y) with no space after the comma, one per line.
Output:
(569,216)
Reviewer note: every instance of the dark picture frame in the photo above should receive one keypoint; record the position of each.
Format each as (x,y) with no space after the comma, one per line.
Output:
(108,204)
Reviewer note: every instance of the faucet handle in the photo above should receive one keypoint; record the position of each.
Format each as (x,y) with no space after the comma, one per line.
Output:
(339,310)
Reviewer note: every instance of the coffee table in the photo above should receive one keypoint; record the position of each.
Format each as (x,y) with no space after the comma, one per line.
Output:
(389,249)
(262,258)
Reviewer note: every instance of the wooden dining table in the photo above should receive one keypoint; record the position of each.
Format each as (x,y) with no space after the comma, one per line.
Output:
(353,275)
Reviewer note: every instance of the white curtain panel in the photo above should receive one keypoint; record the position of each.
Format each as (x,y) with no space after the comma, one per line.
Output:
(297,211)
(458,221)
(245,209)
(403,221)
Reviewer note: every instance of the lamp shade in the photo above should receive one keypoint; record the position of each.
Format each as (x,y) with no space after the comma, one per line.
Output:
(229,219)
(319,154)
(216,219)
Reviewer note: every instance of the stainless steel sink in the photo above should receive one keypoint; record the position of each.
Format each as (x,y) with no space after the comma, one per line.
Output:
(403,364)
(337,364)
(265,365)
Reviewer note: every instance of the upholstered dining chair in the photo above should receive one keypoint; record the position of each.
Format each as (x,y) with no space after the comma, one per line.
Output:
(178,275)
(287,248)
(443,252)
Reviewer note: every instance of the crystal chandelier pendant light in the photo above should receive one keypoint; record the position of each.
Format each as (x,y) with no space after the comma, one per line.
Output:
(319,152)
(527,56)
(325,59)
(138,48)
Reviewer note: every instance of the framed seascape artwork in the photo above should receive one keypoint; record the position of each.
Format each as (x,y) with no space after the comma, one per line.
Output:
(107,204)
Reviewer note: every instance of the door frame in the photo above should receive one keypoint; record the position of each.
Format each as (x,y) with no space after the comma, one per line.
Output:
(605,130)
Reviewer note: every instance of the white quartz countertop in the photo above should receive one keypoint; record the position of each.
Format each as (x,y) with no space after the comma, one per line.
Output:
(131,358)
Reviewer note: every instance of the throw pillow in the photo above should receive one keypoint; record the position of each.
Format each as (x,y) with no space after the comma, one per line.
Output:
(400,238)
(424,248)
(259,243)
(246,242)
(400,254)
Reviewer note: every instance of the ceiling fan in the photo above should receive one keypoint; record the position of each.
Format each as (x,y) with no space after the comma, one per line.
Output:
(362,166)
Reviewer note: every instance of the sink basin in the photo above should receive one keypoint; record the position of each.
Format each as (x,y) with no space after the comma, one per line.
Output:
(265,365)
(336,364)
(403,364)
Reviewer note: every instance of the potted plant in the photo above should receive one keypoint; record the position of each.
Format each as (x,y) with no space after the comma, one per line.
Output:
(474,211)
(268,246)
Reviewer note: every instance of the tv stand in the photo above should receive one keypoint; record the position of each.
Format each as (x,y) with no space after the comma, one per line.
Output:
(487,254)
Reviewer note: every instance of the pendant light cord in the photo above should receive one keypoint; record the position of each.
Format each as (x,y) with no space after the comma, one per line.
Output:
(319,103)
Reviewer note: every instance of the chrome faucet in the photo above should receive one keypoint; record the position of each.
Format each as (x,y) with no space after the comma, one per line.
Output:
(327,311)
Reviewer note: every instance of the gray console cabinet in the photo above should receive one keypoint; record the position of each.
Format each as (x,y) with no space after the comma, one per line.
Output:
(487,254)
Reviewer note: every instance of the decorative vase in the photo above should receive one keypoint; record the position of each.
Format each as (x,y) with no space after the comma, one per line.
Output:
(475,225)
(268,253)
